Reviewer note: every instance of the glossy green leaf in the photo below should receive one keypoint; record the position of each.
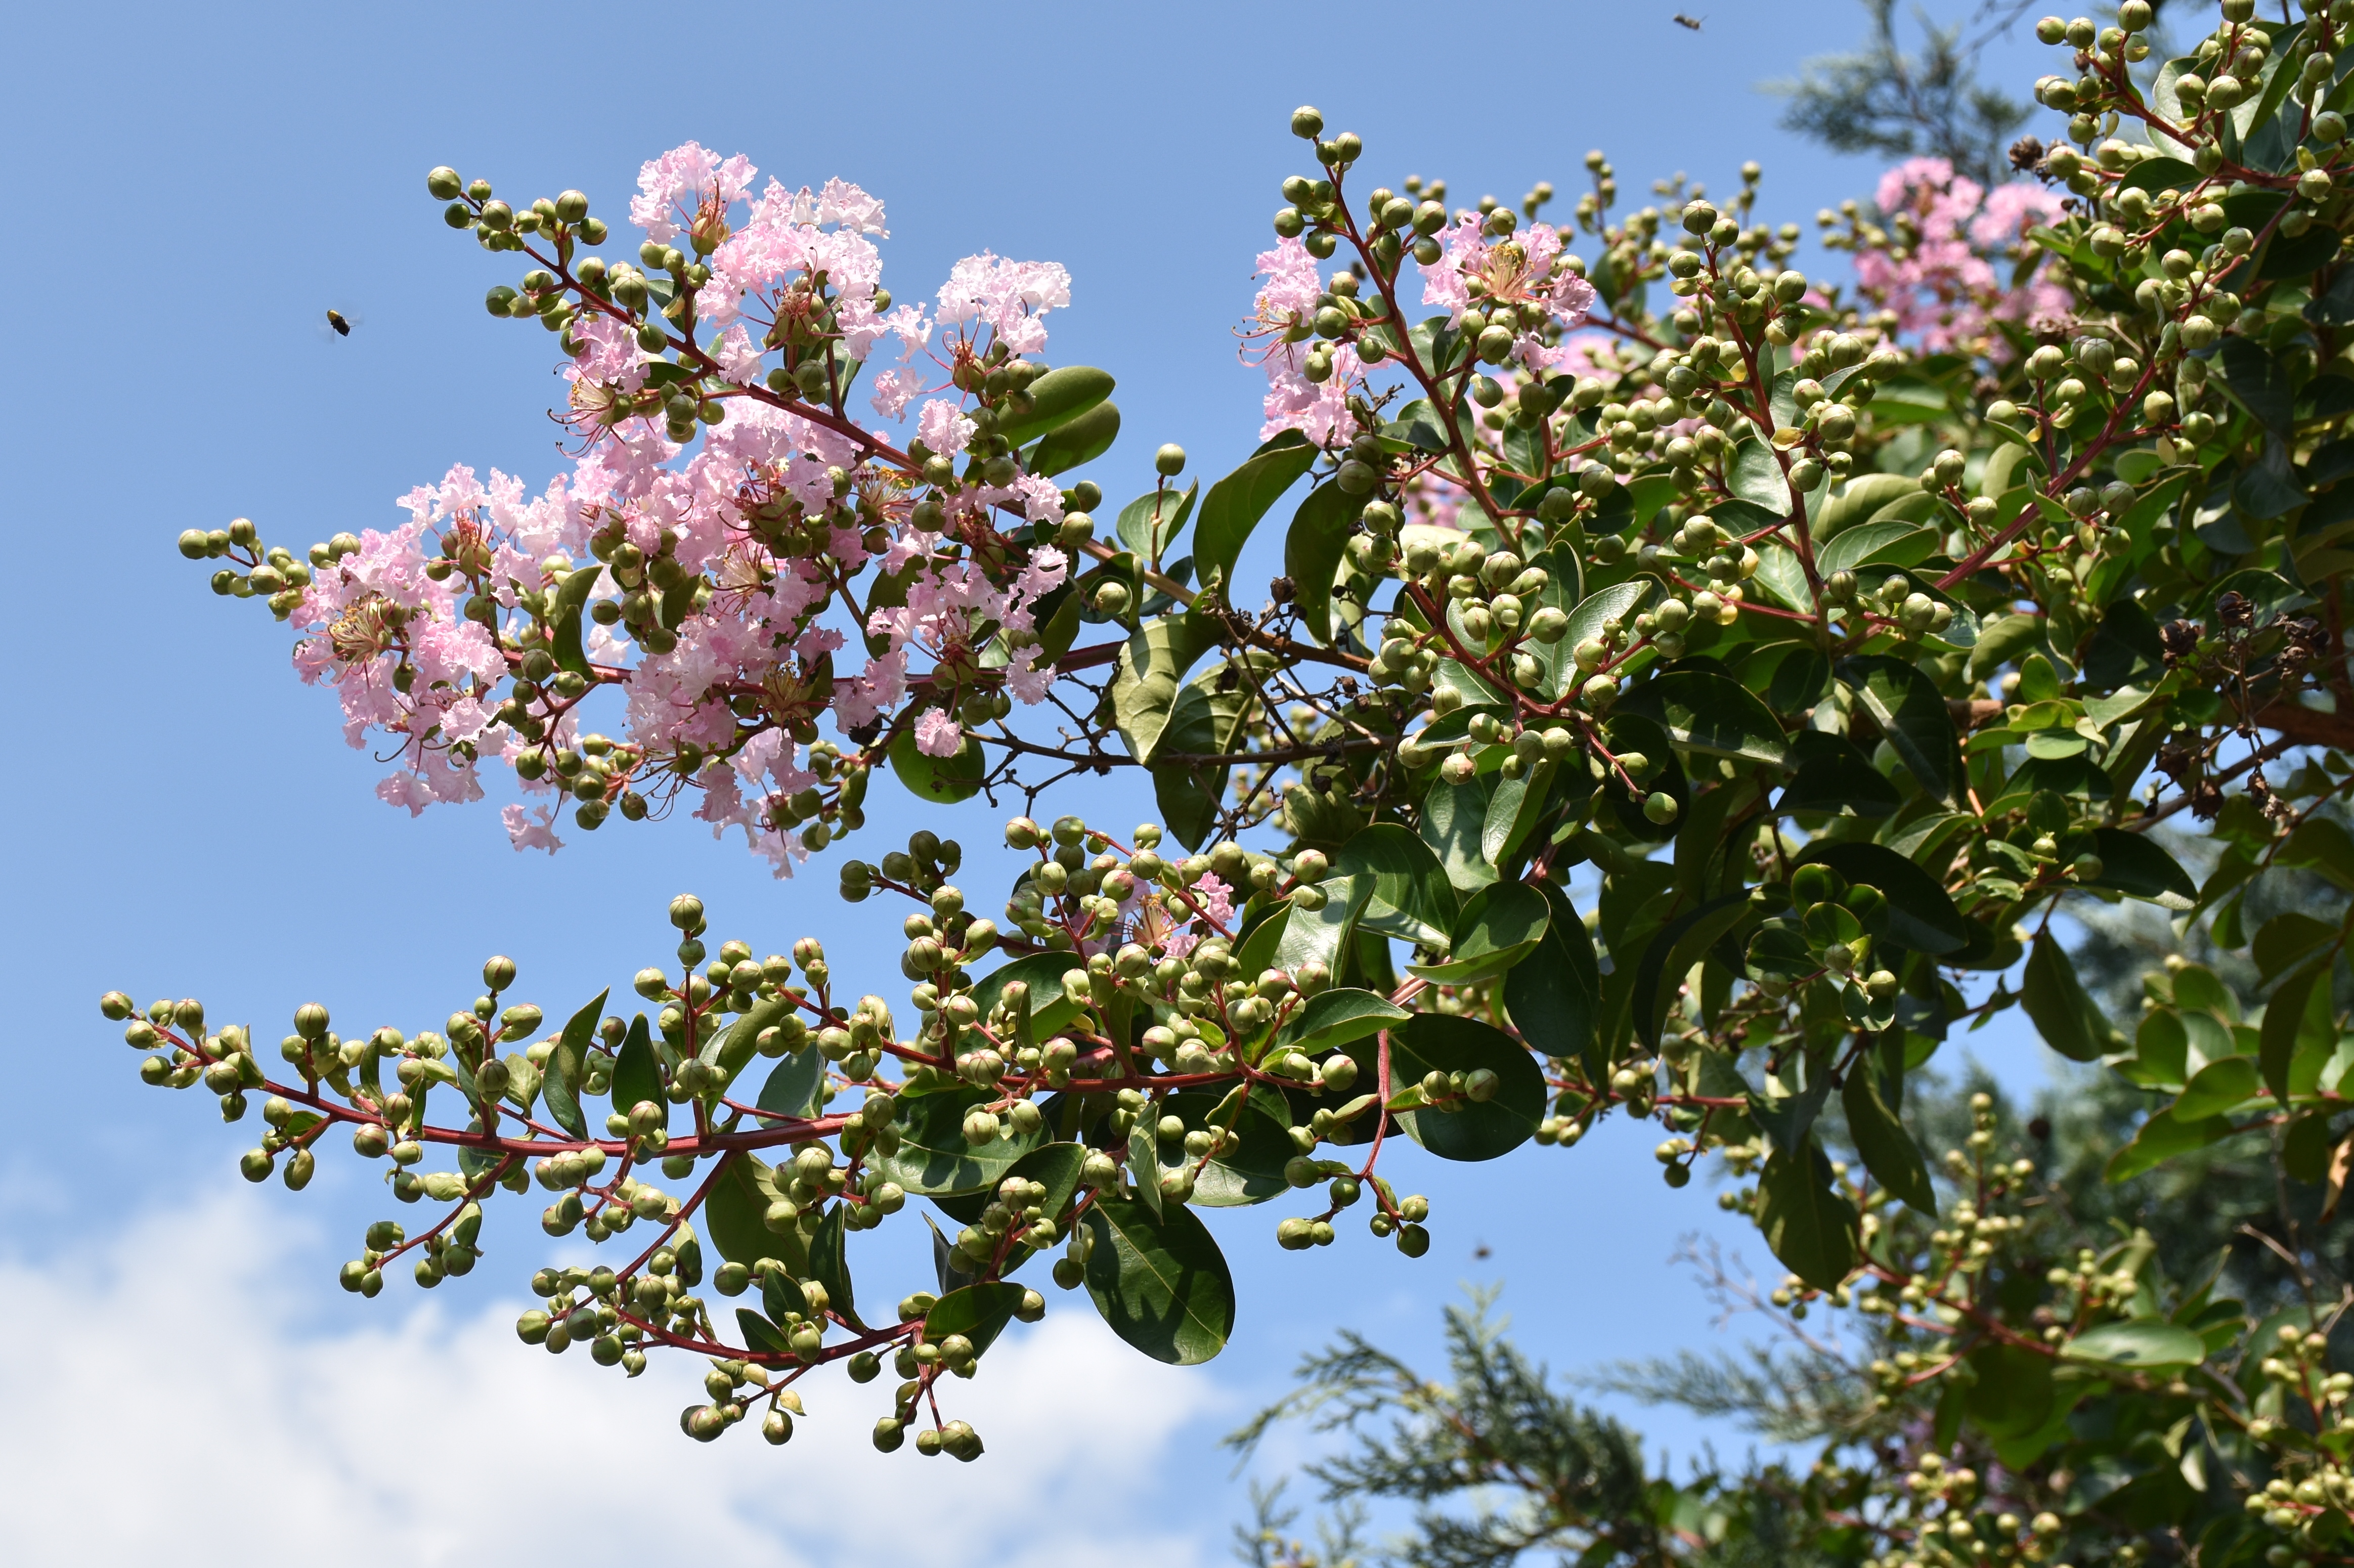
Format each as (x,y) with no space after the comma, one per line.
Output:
(1151,672)
(566,1065)
(1147,524)
(1312,551)
(2070,1020)
(2160,1138)
(1669,956)
(1453,819)
(791,1085)
(1888,1149)
(1465,1130)
(1921,914)
(829,1263)
(1890,543)
(1057,397)
(1553,995)
(1043,973)
(1408,895)
(933,1155)
(762,1335)
(1236,504)
(1079,440)
(1705,711)
(1160,1282)
(1906,705)
(2285,1020)
(979,1311)
(735,1215)
(1810,1227)
(1498,927)
(2140,1343)
(1333,1018)
(637,1075)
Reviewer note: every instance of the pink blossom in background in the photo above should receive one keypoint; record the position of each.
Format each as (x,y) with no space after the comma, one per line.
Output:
(1947,284)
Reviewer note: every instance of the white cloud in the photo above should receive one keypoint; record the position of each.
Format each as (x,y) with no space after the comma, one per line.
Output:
(165,1399)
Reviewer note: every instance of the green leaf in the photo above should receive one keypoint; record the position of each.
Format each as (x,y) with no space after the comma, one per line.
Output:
(1810,1227)
(1755,477)
(1554,994)
(979,1311)
(1921,915)
(1333,1018)
(1894,544)
(1151,670)
(829,1263)
(2070,1021)
(762,1335)
(1858,501)
(1043,973)
(781,1297)
(1705,711)
(1408,895)
(1466,1130)
(1888,1151)
(2217,1087)
(1251,1174)
(637,1075)
(1453,818)
(2138,1343)
(2155,175)
(1150,522)
(1057,397)
(942,780)
(1161,1283)
(1317,935)
(933,1155)
(1312,551)
(1055,1167)
(2162,1138)
(736,1215)
(1671,955)
(791,1085)
(564,1066)
(570,598)
(1513,812)
(1499,927)
(2012,1394)
(2287,938)
(1905,705)
(2138,865)
(1082,439)
(2285,1016)
(1144,1162)
(2319,844)
(1205,722)
(1236,504)
(1831,774)
(1617,602)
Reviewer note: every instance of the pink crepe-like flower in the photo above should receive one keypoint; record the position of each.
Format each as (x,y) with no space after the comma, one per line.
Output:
(942,426)
(937,734)
(675,187)
(1214,899)
(1938,270)
(527,831)
(1011,298)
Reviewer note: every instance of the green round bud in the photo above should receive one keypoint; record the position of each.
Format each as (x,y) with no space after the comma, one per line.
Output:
(444,183)
(1170,461)
(1307,123)
(686,913)
(1659,807)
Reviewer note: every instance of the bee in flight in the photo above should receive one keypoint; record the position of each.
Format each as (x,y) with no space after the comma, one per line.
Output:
(336,319)
(1692,22)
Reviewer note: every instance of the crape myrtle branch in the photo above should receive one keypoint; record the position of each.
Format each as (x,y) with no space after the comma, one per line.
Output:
(1847,630)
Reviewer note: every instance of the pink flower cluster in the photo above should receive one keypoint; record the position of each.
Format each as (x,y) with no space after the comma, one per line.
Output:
(1519,268)
(1280,318)
(1944,279)
(772,625)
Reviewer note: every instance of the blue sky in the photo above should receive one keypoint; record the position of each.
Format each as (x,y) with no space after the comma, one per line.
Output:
(187,820)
